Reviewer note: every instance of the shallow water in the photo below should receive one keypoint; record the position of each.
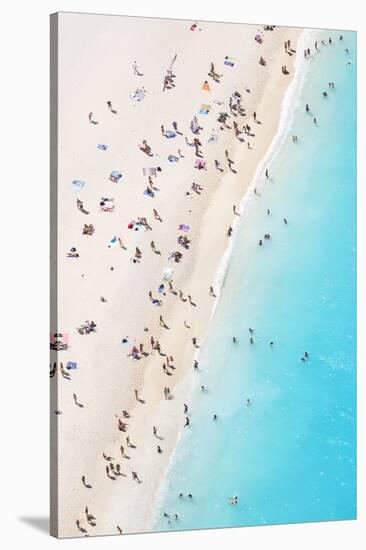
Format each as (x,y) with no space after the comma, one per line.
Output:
(290,456)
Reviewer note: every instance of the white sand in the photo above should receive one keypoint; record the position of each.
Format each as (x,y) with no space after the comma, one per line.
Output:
(95,65)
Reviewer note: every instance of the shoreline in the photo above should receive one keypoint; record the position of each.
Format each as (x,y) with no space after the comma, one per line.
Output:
(289,111)
(286,117)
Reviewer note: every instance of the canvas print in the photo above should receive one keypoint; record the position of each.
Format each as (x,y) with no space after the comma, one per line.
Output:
(203,275)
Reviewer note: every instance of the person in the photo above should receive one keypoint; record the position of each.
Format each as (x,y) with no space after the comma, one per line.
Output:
(162,322)
(234,340)
(195,364)
(214,417)
(217,166)
(91,120)
(187,422)
(109,104)
(235,211)
(157,215)
(135,477)
(267,173)
(285,221)
(315,121)
(248,402)
(136,70)
(212,293)
(129,444)
(175,126)
(307,108)
(159,449)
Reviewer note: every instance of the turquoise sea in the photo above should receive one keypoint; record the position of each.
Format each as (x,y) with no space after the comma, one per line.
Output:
(290,454)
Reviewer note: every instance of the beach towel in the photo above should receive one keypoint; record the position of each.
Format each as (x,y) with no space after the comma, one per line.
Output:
(102,146)
(204,109)
(200,164)
(115,176)
(167,274)
(183,227)
(172,158)
(213,138)
(71,365)
(113,242)
(229,61)
(78,184)
(149,171)
(170,134)
(206,86)
(139,94)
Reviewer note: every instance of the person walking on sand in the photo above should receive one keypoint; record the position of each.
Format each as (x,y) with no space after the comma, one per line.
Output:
(129,444)
(229,231)
(123,452)
(154,249)
(211,292)
(135,477)
(137,397)
(236,213)
(162,322)
(175,126)
(91,120)
(157,215)
(195,365)
(136,69)
(267,173)
(217,166)
(109,105)
(187,422)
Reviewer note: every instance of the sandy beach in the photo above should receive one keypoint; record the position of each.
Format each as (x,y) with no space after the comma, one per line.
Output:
(106,377)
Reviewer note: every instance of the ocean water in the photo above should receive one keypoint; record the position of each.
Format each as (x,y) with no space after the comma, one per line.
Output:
(290,455)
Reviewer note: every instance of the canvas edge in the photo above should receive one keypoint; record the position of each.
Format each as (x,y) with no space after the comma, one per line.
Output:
(53,507)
